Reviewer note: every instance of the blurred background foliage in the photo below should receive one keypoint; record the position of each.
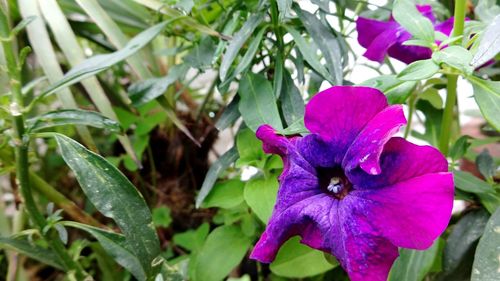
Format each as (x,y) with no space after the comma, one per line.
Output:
(170,92)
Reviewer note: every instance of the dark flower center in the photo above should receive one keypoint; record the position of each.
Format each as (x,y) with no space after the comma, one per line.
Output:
(334,182)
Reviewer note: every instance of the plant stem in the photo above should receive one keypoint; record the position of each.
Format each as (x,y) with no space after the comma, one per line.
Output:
(451,96)
(21,146)
(279,63)
(411,110)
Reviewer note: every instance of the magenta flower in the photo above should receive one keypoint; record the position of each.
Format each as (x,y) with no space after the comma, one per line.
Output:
(351,189)
(387,37)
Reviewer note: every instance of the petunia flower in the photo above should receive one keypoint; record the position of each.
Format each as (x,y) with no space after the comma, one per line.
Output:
(351,189)
(387,37)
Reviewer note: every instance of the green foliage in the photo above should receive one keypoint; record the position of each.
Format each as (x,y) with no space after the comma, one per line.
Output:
(486,262)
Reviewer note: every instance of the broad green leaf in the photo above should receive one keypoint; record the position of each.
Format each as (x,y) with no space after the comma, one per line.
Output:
(460,147)
(223,250)
(260,194)
(249,149)
(192,240)
(413,265)
(284,7)
(419,70)
(214,172)
(229,115)
(309,53)
(487,95)
(418,42)
(115,245)
(161,216)
(485,164)
(455,56)
(396,91)
(147,90)
(486,265)
(115,197)
(201,56)
(405,13)
(237,42)
(226,195)
(292,103)
(432,96)
(71,117)
(467,182)
(326,41)
(99,63)
(295,260)
(258,103)
(432,122)
(460,245)
(296,128)
(253,47)
(489,44)
(33,251)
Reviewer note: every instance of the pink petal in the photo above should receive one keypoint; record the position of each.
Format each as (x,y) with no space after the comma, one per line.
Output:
(368,145)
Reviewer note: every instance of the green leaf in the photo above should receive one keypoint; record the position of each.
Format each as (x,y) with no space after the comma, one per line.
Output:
(418,42)
(115,197)
(396,90)
(405,13)
(489,44)
(419,70)
(237,42)
(413,265)
(250,54)
(147,90)
(214,172)
(249,149)
(201,56)
(223,250)
(284,7)
(460,147)
(115,245)
(292,103)
(486,262)
(229,115)
(326,41)
(296,128)
(486,164)
(432,96)
(192,240)
(487,95)
(33,251)
(226,195)
(295,260)
(309,52)
(486,10)
(71,117)
(461,243)
(258,103)
(161,216)
(455,56)
(99,63)
(260,194)
(469,183)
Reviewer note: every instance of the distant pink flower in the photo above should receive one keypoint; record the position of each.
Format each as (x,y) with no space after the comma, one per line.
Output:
(351,189)
(387,37)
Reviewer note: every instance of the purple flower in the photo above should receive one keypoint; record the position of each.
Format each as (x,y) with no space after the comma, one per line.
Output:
(387,37)
(351,189)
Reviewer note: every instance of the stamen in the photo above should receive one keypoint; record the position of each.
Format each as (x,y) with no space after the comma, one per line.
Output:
(335,185)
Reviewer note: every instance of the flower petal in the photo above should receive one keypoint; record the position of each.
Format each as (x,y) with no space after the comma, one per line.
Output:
(400,161)
(339,113)
(368,29)
(368,145)
(445,27)
(412,213)
(381,44)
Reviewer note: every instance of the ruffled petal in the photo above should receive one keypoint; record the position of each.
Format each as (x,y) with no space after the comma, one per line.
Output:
(338,115)
(400,160)
(412,213)
(368,145)
(368,29)
(377,50)
(445,27)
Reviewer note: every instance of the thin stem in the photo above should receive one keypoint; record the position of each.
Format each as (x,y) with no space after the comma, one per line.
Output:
(451,96)
(21,143)
(411,105)
(279,62)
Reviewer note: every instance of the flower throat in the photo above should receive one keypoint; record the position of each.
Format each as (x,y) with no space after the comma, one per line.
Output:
(334,182)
